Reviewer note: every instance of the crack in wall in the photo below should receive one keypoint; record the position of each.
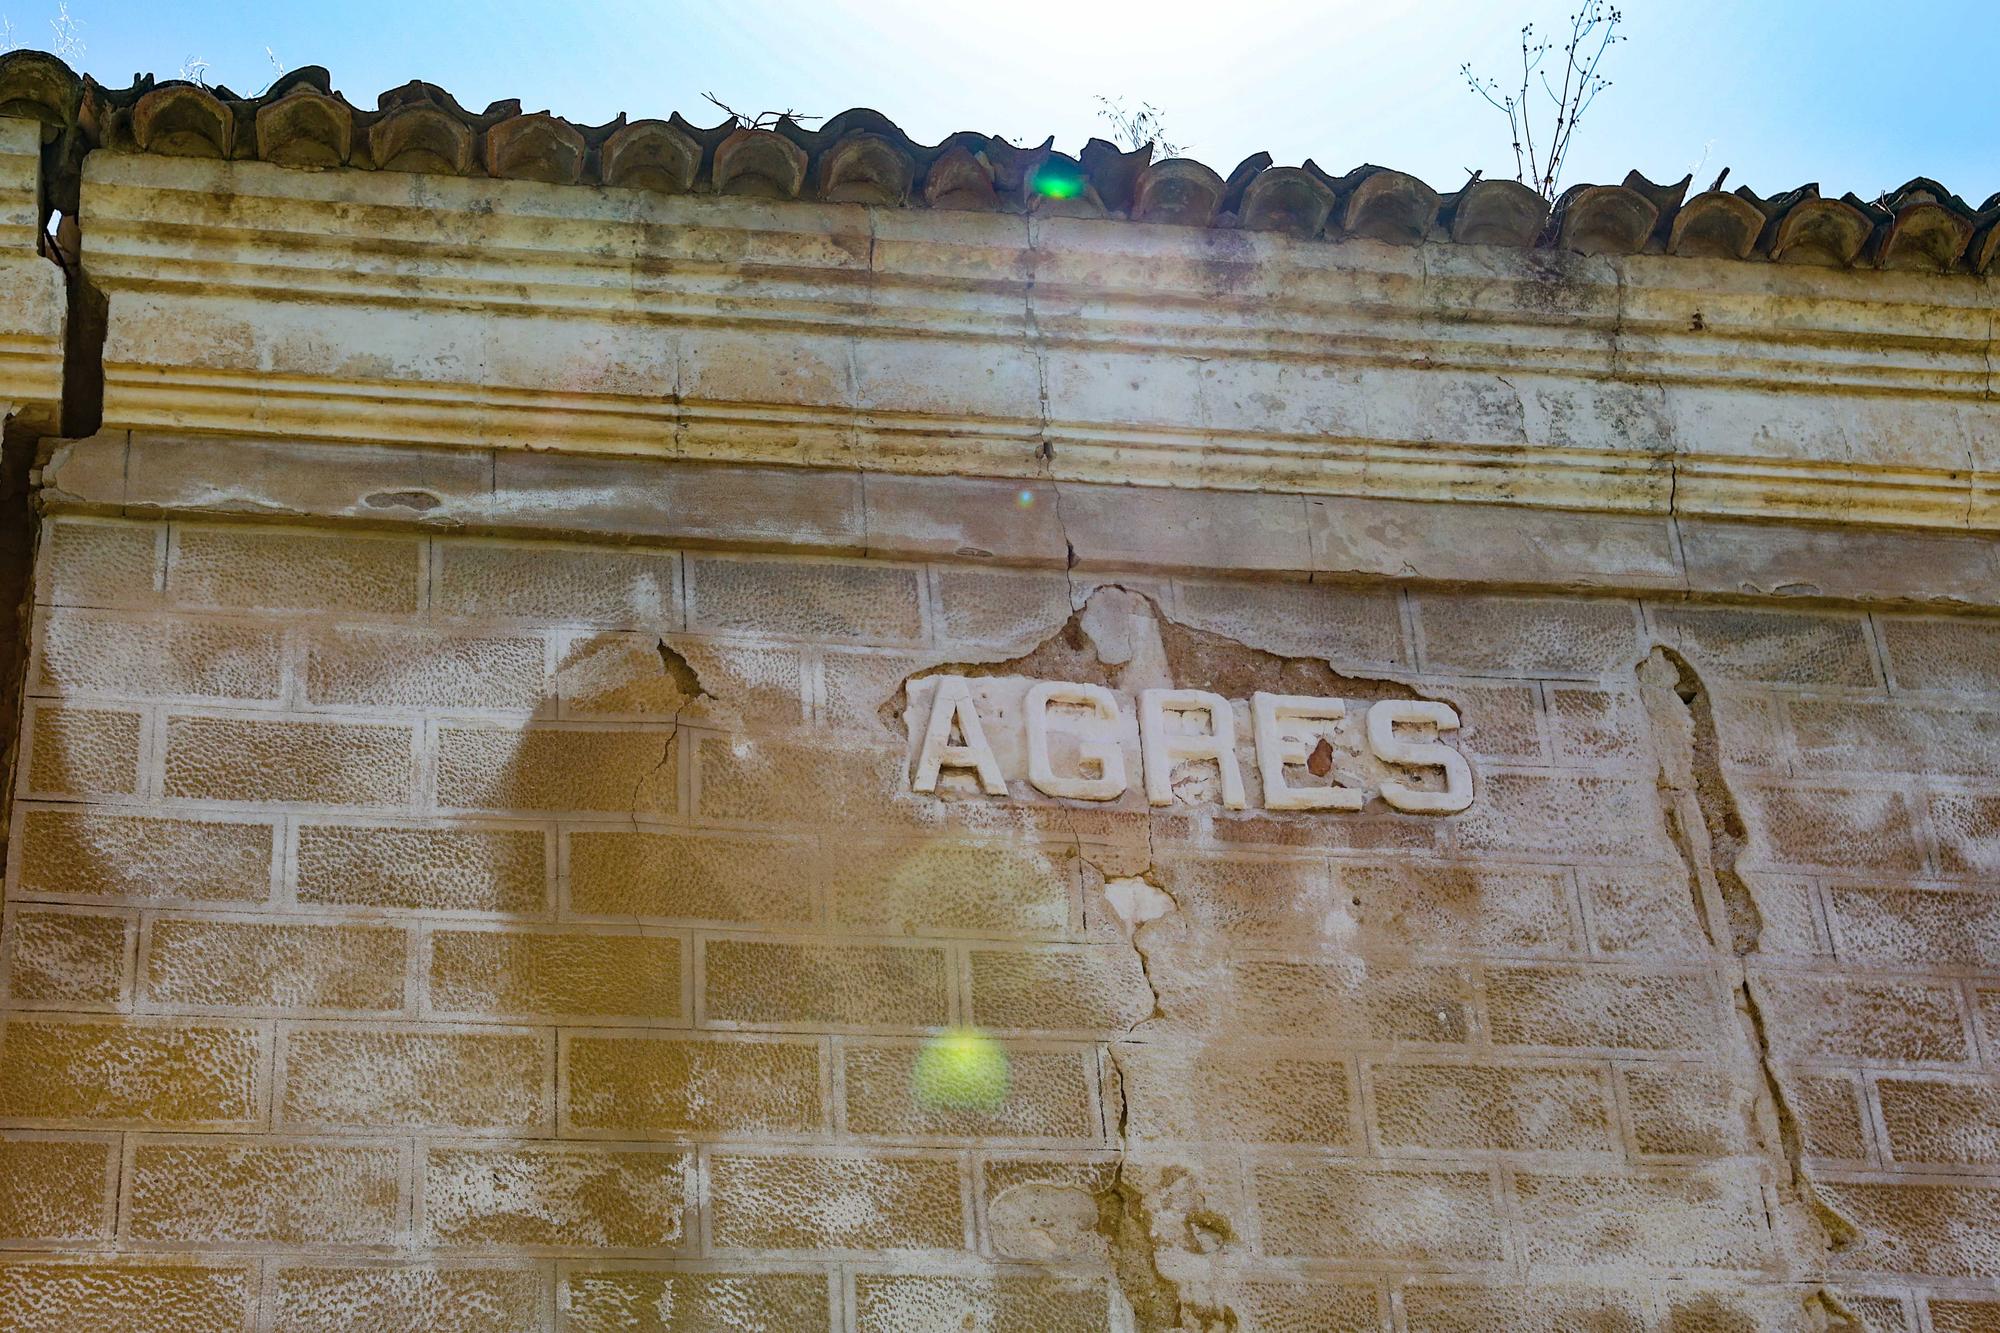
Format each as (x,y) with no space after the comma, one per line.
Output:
(18,535)
(1707,828)
(679,673)
(1159,1227)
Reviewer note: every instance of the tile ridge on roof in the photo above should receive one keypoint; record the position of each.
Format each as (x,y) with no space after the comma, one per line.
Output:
(861,156)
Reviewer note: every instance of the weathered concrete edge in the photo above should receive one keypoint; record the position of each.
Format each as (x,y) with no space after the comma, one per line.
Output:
(1086,526)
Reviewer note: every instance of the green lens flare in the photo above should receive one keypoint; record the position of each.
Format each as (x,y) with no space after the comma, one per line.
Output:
(961,1069)
(1058,180)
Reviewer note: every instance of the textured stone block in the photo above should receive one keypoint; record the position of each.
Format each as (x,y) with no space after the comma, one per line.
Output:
(396,668)
(92,563)
(1000,607)
(245,1191)
(751,982)
(1251,900)
(1680,1110)
(1946,1231)
(398,1078)
(325,1298)
(643,1085)
(326,763)
(193,657)
(1499,723)
(617,872)
(261,476)
(1162,527)
(939,886)
(1050,1094)
(1915,927)
(1830,1118)
(1861,736)
(1600,1007)
(84,751)
(1082,988)
(152,1075)
(286,569)
(160,1296)
(885,1202)
(890,1303)
(1559,816)
(970,518)
(467,869)
(1326,1307)
(1347,624)
(569,974)
(549,768)
(1643,911)
(1532,1309)
(1843,829)
(268,965)
(63,958)
(1960,1316)
(861,690)
(851,603)
(1831,1017)
(1957,655)
(93,854)
(1779,647)
(1693,1221)
(600,1300)
(1594,726)
(1413,905)
(566,585)
(1234,1092)
(1525,636)
(1409,1216)
(1309,1000)
(650,497)
(1507,544)
(775,783)
(1935,1120)
(55,1190)
(1968,833)
(564,1198)
(601,675)
(1517,1108)
(680,676)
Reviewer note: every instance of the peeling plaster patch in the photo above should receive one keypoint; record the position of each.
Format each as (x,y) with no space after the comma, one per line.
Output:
(1136,902)
(421,501)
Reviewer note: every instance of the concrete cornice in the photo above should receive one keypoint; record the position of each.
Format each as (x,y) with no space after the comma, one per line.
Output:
(32,301)
(248,299)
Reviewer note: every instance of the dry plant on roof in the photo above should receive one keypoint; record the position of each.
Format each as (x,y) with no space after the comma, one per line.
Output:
(1539,154)
(1132,130)
(762,120)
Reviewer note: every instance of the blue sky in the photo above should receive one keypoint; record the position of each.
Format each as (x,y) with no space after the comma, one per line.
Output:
(1858,96)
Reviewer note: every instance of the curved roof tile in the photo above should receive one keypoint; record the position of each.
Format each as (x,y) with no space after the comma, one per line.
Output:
(861,156)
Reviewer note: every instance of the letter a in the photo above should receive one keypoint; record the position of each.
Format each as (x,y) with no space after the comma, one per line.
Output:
(952,704)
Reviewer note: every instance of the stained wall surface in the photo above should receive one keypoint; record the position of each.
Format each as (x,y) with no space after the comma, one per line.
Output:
(411,931)
(467,857)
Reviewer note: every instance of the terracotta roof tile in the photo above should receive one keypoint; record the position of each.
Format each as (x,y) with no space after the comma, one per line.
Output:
(861,157)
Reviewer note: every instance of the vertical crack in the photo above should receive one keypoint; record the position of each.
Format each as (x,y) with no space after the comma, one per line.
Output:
(1706,826)
(679,673)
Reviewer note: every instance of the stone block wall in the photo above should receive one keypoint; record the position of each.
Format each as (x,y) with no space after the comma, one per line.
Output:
(427,931)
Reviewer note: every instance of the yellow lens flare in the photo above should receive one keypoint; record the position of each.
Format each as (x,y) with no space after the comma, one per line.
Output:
(960,1069)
